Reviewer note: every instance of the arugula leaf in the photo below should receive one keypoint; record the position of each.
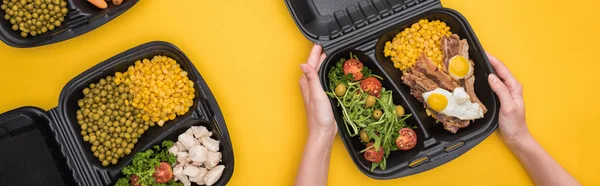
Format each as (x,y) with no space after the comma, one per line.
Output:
(384,131)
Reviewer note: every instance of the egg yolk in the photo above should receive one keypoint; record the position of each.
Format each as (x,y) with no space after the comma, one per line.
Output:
(437,102)
(459,66)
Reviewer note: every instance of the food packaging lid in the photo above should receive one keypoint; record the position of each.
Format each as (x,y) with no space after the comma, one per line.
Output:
(333,23)
(30,154)
(82,18)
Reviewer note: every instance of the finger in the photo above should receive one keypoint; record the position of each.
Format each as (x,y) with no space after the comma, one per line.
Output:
(304,90)
(315,90)
(500,89)
(313,57)
(321,59)
(511,82)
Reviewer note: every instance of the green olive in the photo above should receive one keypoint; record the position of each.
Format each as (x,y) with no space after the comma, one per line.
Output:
(340,90)
(364,137)
(399,110)
(370,101)
(377,114)
(105,163)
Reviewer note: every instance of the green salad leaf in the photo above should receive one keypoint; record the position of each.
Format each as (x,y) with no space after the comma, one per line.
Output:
(144,163)
(356,116)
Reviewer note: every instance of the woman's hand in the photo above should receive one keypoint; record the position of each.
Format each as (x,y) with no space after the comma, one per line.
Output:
(317,106)
(321,124)
(512,124)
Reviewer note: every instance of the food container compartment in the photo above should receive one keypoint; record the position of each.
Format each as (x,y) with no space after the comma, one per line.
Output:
(482,69)
(180,128)
(62,135)
(81,18)
(397,159)
(363,27)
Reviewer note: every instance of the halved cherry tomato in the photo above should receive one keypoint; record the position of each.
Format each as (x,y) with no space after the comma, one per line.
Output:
(372,155)
(407,139)
(354,67)
(163,173)
(371,86)
(135,179)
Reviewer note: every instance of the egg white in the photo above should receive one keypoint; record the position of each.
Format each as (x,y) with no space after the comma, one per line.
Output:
(459,104)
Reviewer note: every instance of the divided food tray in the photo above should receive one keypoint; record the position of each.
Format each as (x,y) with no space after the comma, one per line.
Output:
(73,155)
(362,27)
(81,18)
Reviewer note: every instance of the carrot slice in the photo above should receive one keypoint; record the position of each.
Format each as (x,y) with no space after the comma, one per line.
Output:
(99,3)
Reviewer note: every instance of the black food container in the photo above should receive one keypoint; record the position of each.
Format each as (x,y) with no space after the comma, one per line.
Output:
(83,17)
(72,157)
(362,27)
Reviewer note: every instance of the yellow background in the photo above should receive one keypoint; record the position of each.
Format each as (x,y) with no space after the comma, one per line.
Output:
(249,51)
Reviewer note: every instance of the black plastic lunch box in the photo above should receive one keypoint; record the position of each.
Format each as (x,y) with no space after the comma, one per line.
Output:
(61,133)
(362,27)
(82,18)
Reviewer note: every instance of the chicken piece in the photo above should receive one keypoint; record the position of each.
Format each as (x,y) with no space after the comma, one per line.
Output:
(174,150)
(212,159)
(198,154)
(199,179)
(187,139)
(180,146)
(213,175)
(191,170)
(179,176)
(210,144)
(200,131)
(183,158)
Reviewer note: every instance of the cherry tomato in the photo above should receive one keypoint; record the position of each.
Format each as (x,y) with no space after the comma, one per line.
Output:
(407,139)
(135,179)
(371,86)
(372,155)
(163,173)
(354,67)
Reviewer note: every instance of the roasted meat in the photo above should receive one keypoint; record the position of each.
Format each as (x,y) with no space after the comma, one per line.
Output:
(453,46)
(425,77)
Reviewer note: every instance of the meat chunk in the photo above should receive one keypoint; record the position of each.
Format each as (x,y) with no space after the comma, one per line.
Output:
(180,146)
(199,179)
(191,170)
(174,150)
(210,144)
(179,176)
(187,139)
(443,80)
(183,158)
(425,77)
(200,131)
(198,154)
(469,85)
(212,159)
(213,175)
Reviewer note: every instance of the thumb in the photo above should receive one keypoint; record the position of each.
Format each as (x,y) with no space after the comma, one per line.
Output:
(312,78)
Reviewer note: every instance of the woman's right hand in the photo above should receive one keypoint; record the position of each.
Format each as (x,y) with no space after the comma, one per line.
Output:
(512,124)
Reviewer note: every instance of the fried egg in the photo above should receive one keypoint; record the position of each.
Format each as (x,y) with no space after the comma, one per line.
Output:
(457,103)
(459,67)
